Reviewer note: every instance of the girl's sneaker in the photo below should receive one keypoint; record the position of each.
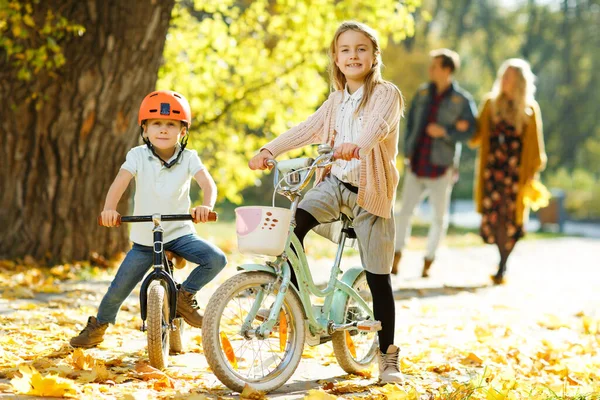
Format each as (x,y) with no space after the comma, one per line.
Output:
(389,365)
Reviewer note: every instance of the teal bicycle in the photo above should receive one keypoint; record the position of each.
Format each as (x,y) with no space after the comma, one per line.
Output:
(257,321)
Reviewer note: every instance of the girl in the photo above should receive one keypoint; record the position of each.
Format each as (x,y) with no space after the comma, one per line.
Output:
(509,134)
(361,116)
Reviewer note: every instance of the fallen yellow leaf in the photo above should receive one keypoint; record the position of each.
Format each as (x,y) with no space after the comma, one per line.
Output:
(474,358)
(252,394)
(33,383)
(148,372)
(315,394)
(82,361)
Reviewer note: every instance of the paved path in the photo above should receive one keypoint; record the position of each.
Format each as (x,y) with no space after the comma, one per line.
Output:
(555,276)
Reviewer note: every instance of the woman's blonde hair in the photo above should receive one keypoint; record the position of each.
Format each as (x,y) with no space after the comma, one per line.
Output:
(514,110)
(337,78)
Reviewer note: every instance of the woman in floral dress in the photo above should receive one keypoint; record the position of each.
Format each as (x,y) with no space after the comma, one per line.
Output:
(511,154)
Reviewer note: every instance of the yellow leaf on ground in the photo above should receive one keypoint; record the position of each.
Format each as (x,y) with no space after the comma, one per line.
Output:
(163,383)
(551,321)
(148,372)
(27,306)
(250,393)
(33,383)
(343,388)
(483,333)
(82,361)
(395,392)
(590,326)
(5,388)
(474,358)
(98,374)
(319,395)
(18,292)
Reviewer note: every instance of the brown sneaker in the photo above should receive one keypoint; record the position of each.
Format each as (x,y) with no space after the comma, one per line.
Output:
(91,335)
(187,308)
(426,266)
(397,257)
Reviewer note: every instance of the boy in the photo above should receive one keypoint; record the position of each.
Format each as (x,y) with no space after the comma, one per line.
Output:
(162,169)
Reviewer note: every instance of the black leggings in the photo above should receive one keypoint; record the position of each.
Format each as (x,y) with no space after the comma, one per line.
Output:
(381,286)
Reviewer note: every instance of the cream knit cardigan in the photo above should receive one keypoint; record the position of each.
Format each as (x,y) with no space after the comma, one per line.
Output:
(378,143)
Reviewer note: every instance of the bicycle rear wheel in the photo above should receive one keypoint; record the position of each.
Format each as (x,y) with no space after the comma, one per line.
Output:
(356,350)
(176,337)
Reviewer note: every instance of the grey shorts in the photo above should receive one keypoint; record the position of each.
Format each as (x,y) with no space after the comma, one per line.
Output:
(376,235)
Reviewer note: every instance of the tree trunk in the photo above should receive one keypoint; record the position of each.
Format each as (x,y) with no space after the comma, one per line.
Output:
(60,155)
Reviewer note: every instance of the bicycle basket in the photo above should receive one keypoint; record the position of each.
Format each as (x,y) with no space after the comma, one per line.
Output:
(262,230)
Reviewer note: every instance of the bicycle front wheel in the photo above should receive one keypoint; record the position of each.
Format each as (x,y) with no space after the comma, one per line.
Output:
(158,326)
(356,350)
(237,356)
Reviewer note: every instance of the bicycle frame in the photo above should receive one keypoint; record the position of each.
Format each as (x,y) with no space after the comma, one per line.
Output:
(327,319)
(162,269)
(162,272)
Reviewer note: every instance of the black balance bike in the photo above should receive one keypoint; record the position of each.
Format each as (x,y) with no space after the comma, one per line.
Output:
(158,293)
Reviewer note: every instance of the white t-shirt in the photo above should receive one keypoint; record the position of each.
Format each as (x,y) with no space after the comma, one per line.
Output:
(161,190)
(348,128)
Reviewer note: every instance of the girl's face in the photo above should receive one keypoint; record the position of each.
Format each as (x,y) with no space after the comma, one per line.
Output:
(509,81)
(354,55)
(164,133)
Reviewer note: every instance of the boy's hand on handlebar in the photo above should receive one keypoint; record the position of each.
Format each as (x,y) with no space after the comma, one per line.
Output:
(200,213)
(259,161)
(347,151)
(110,218)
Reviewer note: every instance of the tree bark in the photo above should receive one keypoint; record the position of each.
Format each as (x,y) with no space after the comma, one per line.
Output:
(60,154)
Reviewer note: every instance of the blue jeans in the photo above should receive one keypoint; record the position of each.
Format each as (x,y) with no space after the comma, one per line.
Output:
(210,259)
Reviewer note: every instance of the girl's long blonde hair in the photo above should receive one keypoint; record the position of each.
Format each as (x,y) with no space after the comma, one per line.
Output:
(337,78)
(515,111)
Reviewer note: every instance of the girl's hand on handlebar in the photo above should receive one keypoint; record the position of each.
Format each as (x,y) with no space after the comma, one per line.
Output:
(200,213)
(347,151)
(259,161)
(110,218)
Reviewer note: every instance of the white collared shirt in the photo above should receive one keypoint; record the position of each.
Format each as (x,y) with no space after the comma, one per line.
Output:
(349,128)
(161,190)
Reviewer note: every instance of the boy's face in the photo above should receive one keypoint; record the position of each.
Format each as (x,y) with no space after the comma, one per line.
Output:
(354,55)
(164,133)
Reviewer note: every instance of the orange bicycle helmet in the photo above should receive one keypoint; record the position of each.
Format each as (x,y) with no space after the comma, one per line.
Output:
(165,104)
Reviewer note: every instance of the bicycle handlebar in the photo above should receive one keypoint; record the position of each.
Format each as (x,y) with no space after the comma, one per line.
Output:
(212,217)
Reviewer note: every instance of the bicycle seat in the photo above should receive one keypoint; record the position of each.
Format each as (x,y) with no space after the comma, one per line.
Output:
(347,211)
(178,261)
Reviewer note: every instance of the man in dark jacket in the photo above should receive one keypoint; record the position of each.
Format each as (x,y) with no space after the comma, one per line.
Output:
(432,147)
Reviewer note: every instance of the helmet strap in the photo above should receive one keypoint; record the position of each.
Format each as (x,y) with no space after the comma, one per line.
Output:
(182,146)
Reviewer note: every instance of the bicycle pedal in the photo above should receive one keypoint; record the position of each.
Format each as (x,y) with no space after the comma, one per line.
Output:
(369,325)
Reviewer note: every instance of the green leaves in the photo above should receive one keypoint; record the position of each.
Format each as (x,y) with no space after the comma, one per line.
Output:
(30,35)
(252,70)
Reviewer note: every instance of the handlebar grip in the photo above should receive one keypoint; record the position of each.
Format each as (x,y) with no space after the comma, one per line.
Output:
(213,216)
(355,155)
(100,220)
